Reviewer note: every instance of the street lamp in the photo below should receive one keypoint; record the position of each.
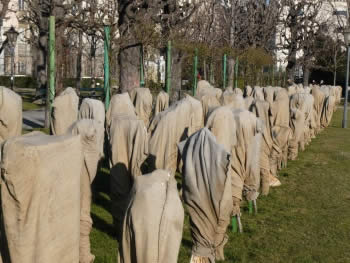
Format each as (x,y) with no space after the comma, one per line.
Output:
(347,43)
(12,35)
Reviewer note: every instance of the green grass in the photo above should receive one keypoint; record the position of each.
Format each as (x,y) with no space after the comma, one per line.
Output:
(27,101)
(307,219)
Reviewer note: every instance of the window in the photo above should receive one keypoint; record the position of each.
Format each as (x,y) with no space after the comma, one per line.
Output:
(20,5)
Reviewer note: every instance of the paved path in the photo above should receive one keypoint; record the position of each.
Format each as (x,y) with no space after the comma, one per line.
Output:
(33,119)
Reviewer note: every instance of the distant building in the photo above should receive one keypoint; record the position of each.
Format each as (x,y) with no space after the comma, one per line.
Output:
(23,54)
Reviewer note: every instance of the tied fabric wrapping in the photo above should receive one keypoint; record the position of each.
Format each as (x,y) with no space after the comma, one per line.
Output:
(319,98)
(162,102)
(153,224)
(95,110)
(245,158)
(309,120)
(280,130)
(221,123)
(89,131)
(120,104)
(41,200)
(169,128)
(129,149)
(10,114)
(207,193)
(297,124)
(142,100)
(64,111)
(261,109)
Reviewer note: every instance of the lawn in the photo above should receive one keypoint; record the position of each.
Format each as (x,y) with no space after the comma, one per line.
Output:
(307,219)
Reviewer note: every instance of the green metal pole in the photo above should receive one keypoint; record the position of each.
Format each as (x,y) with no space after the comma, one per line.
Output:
(195,71)
(234,224)
(224,72)
(236,72)
(250,207)
(142,74)
(106,67)
(52,64)
(168,68)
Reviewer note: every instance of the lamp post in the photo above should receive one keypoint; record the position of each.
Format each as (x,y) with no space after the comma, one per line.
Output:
(347,42)
(12,35)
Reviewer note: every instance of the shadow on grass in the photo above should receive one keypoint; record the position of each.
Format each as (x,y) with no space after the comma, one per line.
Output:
(103,226)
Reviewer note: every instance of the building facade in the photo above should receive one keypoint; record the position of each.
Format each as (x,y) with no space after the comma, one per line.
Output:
(23,55)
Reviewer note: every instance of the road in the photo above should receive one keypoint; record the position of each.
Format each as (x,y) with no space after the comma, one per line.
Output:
(33,119)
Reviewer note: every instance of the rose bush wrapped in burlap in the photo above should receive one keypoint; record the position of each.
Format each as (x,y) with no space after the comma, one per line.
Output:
(128,150)
(152,228)
(90,135)
(142,100)
(10,114)
(95,110)
(162,102)
(207,194)
(40,198)
(64,111)
(169,128)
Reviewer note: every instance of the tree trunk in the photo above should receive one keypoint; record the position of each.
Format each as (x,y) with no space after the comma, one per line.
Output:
(176,74)
(129,62)
(41,65)
(306,76)
(205,73)
(79,61)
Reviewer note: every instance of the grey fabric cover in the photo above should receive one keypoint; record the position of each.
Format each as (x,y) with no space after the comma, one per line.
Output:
(89,131)
(162,102)
(142,100)
(207,193)
(10,114)
(64,111)
(152,229)
(40,197)
(128,150)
